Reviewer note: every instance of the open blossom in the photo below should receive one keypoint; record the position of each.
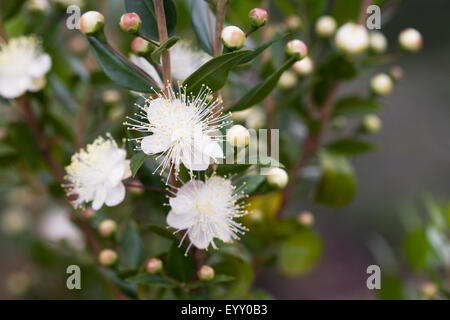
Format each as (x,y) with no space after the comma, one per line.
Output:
(23,66)
(206,210)
(96,174)
(184,129)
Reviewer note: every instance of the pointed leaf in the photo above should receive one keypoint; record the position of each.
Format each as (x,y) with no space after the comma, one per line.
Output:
(156,55)
(204,23)
(137,161)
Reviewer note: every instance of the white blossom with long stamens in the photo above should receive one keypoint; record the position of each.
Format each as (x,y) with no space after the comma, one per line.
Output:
(96,174)
(183,129)
(207,210)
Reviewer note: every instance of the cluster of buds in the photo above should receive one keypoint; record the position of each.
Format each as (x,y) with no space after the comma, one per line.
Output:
(238,136)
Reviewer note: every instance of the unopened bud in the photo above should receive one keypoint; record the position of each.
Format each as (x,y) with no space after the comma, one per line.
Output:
(293,22)
(352,38)
(377,42)
(107,227)
(88,213)
(233,38)
(258,17)
(141,46)
(287,80)
(107,257)
(410,40)
(256,215)
(304,67)
(325,26)
(297,48)
(205,273)
(111,96)
(429,290)
(371,123)
(277,177)
(305,219)
(381,84)
(238,136)
(396,73)
(91,22)
(130,22)
(154,265)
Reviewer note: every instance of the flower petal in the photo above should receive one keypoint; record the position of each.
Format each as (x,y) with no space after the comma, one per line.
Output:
(115,176)
(40,66)
(200,238)
(196,160)
(154,144)
(115,195)
(127,173)
(14,87)
(99,198)
(180,221)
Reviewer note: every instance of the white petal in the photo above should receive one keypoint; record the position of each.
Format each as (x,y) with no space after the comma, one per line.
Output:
(127,173)
(184,200)
(115,195)
(199,238)
(37,84)
(206,145)
(99,198)
(154,144)
(223,232)
(115,176)
(40,66)
(14,87)
(180,221)
(196,160)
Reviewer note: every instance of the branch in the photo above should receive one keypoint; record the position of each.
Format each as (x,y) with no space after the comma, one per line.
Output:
(162,32)
(138,185)
(221,10)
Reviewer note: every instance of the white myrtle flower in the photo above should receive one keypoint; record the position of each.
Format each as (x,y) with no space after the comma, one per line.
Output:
(206,210)
(96,174)
(184,129)
(23,66)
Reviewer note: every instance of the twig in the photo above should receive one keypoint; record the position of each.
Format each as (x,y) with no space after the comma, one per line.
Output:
(363,12)
(162,32)
(221,10)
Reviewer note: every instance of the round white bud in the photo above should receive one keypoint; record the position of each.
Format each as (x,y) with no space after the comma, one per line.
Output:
(107,227)
(371,123)
(238,136)
(378,42)
(91,22)
(233,37)
(293,22)
(381,84)
(277,177)
(304,67)
(287,80)
(325,26)
(154,265)
(205,273)
(410,40)
(305,219)
(352,38)
(107,257)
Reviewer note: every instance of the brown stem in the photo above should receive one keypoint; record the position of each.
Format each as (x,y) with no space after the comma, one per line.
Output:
(221,10)
(162,32)
(363,12)
(138,185)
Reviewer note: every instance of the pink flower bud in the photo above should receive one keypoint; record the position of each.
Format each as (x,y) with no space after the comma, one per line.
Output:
(107,227)
(258,17)
(205,273)
(91,22)
(153,265)
(141,46)
(233,37)
(107,257)
(297,48)
(130,22)
(305,219)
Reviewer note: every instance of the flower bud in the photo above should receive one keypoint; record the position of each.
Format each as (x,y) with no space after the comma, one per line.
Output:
(325,26)
(130,22)
(233,38)
(141,46)
(107,227)
(107,257)
(377,42)
(258,17)
(205,273)
(111,96)
(304,67)
(277,177)
(88,213)
(352,38)
(238,136)
(410,40)
(256,215)
(91,22)
(293,22)
(371,123)
(381,84)
(428,290)
(297,48)
(396,73)
(287,80)
(305,219)
(154,265)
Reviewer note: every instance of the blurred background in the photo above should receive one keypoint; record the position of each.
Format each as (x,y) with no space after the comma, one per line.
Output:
(410,164)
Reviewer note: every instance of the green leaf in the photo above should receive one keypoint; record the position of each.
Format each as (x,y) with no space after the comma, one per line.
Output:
(156,55)
(417,249)
(127,288)
(179,265)
(355,106)
(349,10)
(21,139)
(299,253)
(241,271)
(137,160)
(117,69)
(146,10)
(10,8)
(350,146)
(131,245)
(261,91)
(252,55)
(204,24)
(214,73)
(252,183)
(163,232)
(221,278)
(337,185)
(391,288)
(152,280)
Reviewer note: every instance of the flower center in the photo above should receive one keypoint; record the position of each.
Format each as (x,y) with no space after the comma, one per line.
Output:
(204,206)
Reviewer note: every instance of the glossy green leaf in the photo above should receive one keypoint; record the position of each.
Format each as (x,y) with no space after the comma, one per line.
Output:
(349,10)
(299,253)
(152,280)
(117,69)
(127,288)
(221,278)
(204,24)
(214,73)
(137,160)
(146,11)
(417,249)
(179,265)
(349,146)
(241,271)
(262,90)
(156,55)
(355,106)
(10,8)
(163,232)
(131,245)
(337,185)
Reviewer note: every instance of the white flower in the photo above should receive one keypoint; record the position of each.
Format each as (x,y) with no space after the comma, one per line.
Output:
(206,210)
(96,174)
(56,226)
(23,66)
(352,38)
(185,60)
(184,129)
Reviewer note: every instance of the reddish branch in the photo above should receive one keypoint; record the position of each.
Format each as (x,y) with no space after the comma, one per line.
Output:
(162,32)
(221,10)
